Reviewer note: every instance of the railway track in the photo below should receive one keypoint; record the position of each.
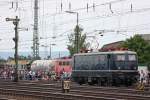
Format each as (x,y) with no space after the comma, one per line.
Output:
(46,87)
(92,93)
(81,91)
(85,88)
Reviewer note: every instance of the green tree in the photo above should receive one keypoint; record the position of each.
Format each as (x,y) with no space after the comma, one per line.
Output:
(2,60)
(82,44)
(10,58)
(139,45)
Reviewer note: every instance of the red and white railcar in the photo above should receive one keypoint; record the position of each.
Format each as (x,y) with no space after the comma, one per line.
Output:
(56,65)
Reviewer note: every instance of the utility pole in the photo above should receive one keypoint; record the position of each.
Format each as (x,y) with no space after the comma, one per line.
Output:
(50,50)
(77,34)
(15,22)
(35,33)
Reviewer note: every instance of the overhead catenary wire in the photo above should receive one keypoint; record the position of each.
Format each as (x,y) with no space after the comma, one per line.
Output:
(101,16)
(85,8)
(109,2)
(108,15)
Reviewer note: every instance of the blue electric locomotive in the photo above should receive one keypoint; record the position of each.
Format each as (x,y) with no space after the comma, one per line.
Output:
(105,68)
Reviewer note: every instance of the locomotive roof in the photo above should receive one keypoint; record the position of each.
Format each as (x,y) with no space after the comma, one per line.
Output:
(109,52)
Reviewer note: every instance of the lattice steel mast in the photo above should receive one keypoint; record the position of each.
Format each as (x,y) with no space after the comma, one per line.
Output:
(35,33)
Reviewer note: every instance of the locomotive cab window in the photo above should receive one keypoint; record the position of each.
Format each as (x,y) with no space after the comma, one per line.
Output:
(67,63)
(64,63)
(132,57)
(120,57)
(60,63)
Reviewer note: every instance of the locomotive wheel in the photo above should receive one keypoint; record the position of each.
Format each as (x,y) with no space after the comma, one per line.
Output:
(99,82)
(81,81)
(109,81)
(89,83)
(115,82)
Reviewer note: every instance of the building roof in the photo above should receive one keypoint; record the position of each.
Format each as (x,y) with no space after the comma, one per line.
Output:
(117,44)
(20,62)
(112,45)
(145,36)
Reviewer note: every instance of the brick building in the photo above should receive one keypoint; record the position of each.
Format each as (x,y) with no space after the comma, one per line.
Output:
(117,44)
(146,37)
(113,45)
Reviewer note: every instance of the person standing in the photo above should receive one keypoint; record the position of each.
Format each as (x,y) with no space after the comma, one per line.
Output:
(142,77)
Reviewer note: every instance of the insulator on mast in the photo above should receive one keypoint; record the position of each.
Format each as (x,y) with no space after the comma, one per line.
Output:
(131,8)
(110,7)
(93,6)
(16,6)
(61,6)
(69,6)
(12,5)
(87,7)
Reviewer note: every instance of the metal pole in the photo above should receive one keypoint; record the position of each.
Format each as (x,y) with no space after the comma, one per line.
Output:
(77,35)
(15,22)
(35,33)
(50,51)
(76,47)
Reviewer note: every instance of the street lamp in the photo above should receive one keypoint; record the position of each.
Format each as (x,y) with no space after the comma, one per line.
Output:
(50,50)
(77,34)
(45,46)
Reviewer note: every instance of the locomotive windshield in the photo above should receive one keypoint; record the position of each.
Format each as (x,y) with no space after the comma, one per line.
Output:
(132,62)
(126,62)
(132,57)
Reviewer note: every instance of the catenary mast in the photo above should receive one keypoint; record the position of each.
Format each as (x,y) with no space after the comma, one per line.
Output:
(35,32)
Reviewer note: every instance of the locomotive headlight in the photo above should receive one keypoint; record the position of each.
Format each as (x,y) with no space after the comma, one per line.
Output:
(119,68)
(134,67)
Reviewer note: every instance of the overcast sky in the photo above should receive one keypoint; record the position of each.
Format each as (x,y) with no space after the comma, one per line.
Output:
(107,15)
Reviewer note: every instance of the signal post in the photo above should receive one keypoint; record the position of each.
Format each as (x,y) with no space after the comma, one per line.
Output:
(15,22)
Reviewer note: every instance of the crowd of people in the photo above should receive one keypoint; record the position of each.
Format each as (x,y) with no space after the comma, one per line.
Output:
(9,73)
(6,72)
(144,77)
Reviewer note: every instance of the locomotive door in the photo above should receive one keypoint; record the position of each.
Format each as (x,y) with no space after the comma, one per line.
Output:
(120,61)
